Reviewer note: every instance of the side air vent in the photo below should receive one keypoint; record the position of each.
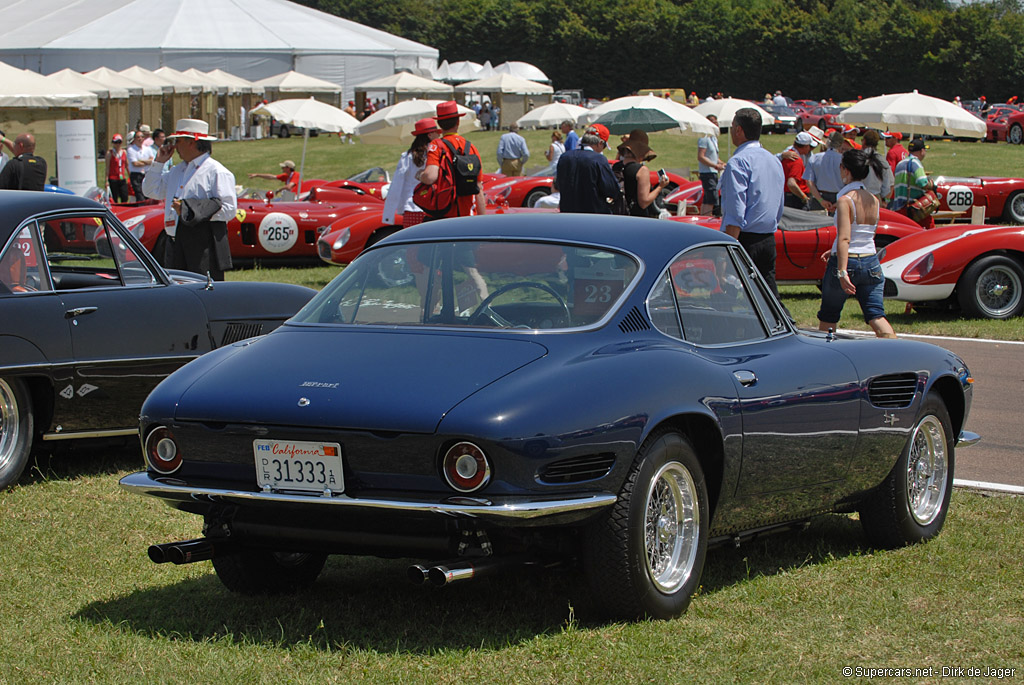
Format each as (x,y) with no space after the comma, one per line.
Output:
(889,290)
(634,322)
(578,469)
(240,331)
(894,391)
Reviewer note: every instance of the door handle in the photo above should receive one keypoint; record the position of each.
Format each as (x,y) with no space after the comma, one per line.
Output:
(79,311)
(745,378)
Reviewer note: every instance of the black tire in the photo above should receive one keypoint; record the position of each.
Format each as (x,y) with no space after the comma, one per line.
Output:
(992,288)
(666,481)
(16,428)
(1015,135)
(283,132)
(1013,210)
(911,503)
(534,195)
(261,572)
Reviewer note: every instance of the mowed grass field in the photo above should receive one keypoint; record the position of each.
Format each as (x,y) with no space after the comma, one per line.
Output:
(80,602)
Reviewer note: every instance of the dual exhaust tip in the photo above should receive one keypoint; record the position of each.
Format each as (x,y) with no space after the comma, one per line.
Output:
(457,570)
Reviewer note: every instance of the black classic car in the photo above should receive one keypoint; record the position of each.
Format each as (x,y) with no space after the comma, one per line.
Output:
(615,390)
(90,323)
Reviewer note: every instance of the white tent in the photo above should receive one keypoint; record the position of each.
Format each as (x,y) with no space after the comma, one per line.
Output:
(251,38)
(71,79)
(20,88)
(112,79)
(294,82)
(405,83)
(505,83)
(222,77)
(522,70)
(457,72)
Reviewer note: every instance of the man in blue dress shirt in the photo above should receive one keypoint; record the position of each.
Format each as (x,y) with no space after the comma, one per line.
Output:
(512,152)
(752,187)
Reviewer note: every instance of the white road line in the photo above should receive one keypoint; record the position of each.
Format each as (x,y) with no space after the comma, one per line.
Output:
(991,487)
(869,334)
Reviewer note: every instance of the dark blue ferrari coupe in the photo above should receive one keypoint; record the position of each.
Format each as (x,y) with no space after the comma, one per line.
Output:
(498,391)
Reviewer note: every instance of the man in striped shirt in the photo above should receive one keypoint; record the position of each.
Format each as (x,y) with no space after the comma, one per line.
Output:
(911,181)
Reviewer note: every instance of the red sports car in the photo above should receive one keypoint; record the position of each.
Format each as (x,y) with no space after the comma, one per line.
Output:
(822,116)
(1007,125)
(1003,198)
(524,191)
(978,269)
(262,229)
(350,235)
(803,237)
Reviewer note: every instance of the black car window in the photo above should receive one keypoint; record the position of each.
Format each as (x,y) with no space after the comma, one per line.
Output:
(493,284)
(714,304)
(661,304)
(771,315)
(88,252)
(19,265)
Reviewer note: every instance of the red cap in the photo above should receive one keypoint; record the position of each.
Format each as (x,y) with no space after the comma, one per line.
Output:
(600,130)
(424,126)
(448,110)
(897,135)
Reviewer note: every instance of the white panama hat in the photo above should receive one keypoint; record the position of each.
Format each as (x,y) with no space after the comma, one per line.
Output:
(192,128)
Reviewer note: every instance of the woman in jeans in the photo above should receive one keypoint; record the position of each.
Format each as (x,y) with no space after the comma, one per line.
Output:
(852,266)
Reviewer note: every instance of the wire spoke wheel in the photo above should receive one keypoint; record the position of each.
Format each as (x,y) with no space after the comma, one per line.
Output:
(671,527)
(10,422)
(926,471)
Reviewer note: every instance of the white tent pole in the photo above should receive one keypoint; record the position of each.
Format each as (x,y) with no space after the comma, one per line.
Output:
(302,164)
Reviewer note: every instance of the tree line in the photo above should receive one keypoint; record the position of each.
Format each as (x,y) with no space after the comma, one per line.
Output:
(743,48)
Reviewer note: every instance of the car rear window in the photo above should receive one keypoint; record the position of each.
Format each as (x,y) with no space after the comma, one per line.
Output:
(491,284)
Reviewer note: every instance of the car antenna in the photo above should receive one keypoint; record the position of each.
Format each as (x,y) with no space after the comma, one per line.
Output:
(209,281)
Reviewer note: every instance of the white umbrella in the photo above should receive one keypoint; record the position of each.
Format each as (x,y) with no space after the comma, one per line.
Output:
(688,121)
(916,113)
(726,108)
(309,113)
(394,124)
(550,115)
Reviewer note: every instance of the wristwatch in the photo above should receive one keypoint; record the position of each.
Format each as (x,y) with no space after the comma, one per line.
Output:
(840,273)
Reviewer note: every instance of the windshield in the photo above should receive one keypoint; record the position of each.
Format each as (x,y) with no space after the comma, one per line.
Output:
(493,284)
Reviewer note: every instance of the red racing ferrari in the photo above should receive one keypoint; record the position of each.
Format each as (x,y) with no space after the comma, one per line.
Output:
(978,269)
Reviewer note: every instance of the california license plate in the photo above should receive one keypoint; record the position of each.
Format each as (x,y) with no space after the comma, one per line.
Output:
(299,465)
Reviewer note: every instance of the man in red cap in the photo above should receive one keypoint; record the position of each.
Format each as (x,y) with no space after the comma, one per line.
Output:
(447,118)
(896,152)
(585,178)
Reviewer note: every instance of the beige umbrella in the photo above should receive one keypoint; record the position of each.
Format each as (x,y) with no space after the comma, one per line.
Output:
(394,124)
(550,115)
(309,114)
(916,113)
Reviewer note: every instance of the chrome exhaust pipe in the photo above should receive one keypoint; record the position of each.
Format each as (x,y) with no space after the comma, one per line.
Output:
(469,568)
(188,551)
(418,574)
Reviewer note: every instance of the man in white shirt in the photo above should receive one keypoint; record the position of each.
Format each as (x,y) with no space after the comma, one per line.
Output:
(139,160)
(199,200)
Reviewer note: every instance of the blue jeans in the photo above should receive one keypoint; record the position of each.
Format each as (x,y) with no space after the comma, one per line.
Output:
(866,275)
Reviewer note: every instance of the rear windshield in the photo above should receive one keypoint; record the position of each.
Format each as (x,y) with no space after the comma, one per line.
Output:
(493,284)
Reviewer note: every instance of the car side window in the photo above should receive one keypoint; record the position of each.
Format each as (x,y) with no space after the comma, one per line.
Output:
(772,317)
(87,252)
(714,303)
(662,307)
(19,265)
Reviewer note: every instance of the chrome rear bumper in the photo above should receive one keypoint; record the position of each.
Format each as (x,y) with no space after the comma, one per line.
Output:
(510,511)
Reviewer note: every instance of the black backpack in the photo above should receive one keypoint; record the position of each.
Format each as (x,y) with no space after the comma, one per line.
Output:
(466,168)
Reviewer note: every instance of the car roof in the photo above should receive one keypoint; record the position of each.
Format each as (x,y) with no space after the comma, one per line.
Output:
(647,238)
(16,205)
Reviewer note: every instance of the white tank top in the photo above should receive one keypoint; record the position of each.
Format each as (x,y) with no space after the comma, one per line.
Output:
(862,236)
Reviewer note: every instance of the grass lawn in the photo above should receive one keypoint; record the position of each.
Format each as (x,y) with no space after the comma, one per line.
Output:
(82,603)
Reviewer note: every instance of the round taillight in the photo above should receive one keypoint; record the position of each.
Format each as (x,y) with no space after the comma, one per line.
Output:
(919,269)
(466,467)
(162,451)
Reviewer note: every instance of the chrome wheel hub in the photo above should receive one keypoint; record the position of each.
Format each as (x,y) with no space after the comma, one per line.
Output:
(9,422)
(671,527)
(999,291)
(927,467)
